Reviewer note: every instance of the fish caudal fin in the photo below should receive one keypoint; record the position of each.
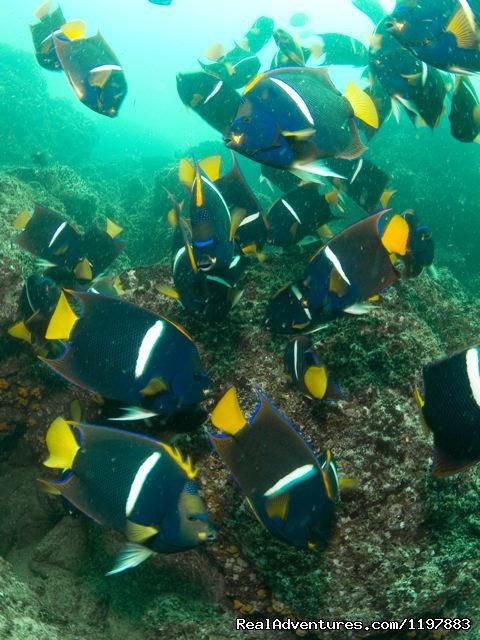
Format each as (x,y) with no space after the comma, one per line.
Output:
(112,228)
(20,332)
(362,105)
(227,416)
(211,167)
(62,321)
(130,556)
(74,30)
(395,236)
(316,381)
(62,445)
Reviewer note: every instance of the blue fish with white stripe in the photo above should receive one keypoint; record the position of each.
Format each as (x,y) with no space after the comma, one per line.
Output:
(142,488)
(128,354)
(291,491)
(292,118)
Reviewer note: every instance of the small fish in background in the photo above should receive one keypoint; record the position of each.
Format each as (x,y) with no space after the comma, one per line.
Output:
(213,100)
(307,372)
(294,118)
(299,19)
(302,212)
(48,236)
(42,33)
(92,68)
(419,88)
(37,302)
(353,267)
(451,410)
(235,68)
(465,111)
(372,9)
(290,51)
(163,3)
(140,487)
(442,33)
(339,49)
(127,354)
(292,492)
(40,158)
(258,35)
(365,183)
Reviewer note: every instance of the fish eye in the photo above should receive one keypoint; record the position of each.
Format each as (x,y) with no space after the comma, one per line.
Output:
(246,119)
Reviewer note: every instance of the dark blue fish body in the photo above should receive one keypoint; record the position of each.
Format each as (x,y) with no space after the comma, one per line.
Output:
(43,41)
(94,72)
(215,101)
(136,485)
(364,181)
(291,492)
(442,33)
(297,214)
(451,410)
(465,111)
(123,352)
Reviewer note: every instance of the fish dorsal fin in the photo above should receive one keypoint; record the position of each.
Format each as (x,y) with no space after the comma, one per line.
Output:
(74,30)
(395,235)
(139,533)
(277,506)
(154,387)
(83,270)
(186,173)
(316,381)
(62,321)
(130,556)
(227,414)
(237,215)
(62,445)
(184,463)
(462,25)
(386,197)
(22,220)
(20,332)
(211,167)
(362,105)
(42,11)
(112,228)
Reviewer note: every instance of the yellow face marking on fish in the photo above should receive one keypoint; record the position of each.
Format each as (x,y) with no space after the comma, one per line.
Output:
(237,138)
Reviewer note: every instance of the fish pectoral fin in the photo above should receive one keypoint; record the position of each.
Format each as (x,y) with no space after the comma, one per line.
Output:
(211,167)
(362,105)
(20,332)
(395,236)
(300,133)
(227,415)
(462,25)
(170,292)
(62,445)
(99,78)
(133,413)
(316,381)
(130,556)
(62,321)
(154,387)
(139,533)
(277,506)
(237,215)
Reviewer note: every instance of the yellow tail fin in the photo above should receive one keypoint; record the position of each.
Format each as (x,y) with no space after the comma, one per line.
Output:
(74,30)
(227,415)
(211,167)
(316,381)
(362,105)
(62,445)
(62,321)
(395,236)
(19,330)
(112,228)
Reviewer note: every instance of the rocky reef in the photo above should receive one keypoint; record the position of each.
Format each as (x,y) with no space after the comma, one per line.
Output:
(405,544)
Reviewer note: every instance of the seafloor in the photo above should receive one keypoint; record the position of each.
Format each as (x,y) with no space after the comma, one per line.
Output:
(405,545)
